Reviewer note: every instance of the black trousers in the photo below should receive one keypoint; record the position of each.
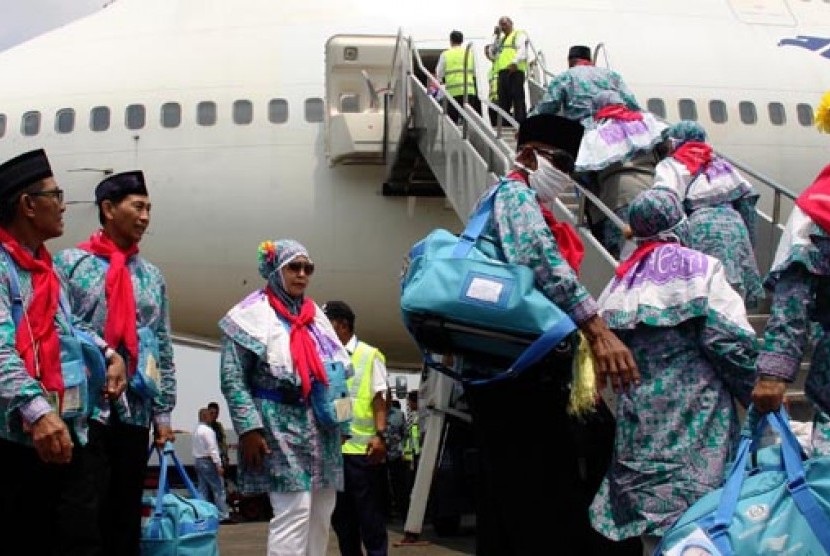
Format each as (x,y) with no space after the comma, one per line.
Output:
(512,93)
(472,100)
(400,485)
(514,422)
(123,451)
(50,509)
(358,513)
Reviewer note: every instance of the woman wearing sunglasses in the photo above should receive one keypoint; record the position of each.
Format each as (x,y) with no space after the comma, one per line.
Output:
(276,346)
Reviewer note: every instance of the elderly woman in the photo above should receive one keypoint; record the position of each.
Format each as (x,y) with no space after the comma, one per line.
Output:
(687,328)
(616,161)
(800,282)
(275,347)
(720,204)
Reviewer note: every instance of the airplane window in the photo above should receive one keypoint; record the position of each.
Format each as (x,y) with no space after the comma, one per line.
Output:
(314,110)
(717,111)
(243,112)
(657,107)
(206,113)
(748,113)
(805,114)
(171,114)
(135,117)
(65,120)
(30,123)
(278,111)
(99,118)
(2,125)
(776,113)
(687,109)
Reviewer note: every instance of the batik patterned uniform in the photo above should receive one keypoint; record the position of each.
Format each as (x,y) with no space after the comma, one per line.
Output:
(255,354)
(85,276)
(526,239)
(676,431)
(19,392)
(720,204)
(800,282)
(572,92)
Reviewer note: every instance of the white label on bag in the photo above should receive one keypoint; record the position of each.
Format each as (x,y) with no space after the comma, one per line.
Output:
(343,409)
(694,544)
(483,289)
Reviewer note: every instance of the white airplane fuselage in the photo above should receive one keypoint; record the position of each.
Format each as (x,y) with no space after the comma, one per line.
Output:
(218,190)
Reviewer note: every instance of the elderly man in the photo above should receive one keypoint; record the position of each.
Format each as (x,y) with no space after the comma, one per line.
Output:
(47,469)
(511,62)
(511,416)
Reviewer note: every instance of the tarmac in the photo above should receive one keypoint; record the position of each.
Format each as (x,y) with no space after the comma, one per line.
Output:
(249,539)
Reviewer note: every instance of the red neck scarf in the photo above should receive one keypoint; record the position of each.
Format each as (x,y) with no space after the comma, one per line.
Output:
(582,62)
(638,255)
(815,200)
(303,349)
(36,338)
(617,112)
(120,328)
(571,247)
(693,155)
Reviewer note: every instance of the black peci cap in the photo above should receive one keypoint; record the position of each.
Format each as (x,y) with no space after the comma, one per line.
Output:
(556,131)
(581,52)
(339,310)
(22,171)
(120,185)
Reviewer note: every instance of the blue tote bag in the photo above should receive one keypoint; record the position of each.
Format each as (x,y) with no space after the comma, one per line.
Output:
(458,296)
(173,524)
(774,501)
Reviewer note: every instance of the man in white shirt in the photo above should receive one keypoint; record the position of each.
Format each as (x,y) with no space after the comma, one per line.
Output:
(208,465)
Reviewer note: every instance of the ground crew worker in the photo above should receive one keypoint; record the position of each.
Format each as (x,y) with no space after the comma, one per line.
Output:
(456,70)
(491,51)
(412,436)
(512,68)
(359,511)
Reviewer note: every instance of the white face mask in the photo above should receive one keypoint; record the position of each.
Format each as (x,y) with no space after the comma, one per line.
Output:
(548,182)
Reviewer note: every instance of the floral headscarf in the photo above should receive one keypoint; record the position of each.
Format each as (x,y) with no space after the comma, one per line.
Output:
(657,214)
(272,255)
(686,130)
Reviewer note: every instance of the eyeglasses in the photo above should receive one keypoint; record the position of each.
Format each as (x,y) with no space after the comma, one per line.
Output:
(297,266)
(54,193)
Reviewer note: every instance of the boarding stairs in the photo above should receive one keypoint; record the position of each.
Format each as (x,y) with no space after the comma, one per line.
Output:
(427,154)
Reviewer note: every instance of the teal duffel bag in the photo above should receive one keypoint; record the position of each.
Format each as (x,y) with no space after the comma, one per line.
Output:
(774,501)
(457,296)
(173,525)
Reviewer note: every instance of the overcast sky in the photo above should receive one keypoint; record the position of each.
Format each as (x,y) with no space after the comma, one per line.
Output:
(24,19)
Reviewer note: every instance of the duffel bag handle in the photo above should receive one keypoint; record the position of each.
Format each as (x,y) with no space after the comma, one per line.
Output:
(796,481)
(164,486)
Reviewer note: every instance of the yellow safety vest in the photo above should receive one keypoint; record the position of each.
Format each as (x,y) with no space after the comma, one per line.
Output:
(454,75)
(360,389)
(493,78)
(412,440)
(508,51)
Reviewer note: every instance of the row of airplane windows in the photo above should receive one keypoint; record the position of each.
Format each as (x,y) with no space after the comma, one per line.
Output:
(242,113)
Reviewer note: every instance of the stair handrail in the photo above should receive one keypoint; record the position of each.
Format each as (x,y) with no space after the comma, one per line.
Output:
(600,47)
(538,62)
(394,78)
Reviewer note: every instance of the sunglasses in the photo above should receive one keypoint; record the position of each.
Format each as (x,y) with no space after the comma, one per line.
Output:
(297,266)
(54,193)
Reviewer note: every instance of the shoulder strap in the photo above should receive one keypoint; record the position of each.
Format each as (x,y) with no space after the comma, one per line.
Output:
(17,300)
(700,171)
(476,224)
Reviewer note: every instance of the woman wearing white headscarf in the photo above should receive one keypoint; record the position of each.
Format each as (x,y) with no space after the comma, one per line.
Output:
(687,328)
(275,345)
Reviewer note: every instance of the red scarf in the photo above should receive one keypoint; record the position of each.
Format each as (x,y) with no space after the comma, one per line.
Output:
(638,255)
(303,349)
(693,155)
(120,328)
(571,247)
(617,112)
(815,200)
(582,62)
(38,343)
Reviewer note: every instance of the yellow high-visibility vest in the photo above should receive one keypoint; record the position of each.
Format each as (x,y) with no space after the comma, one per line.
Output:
(454,74)
(360,389)
(508,51)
